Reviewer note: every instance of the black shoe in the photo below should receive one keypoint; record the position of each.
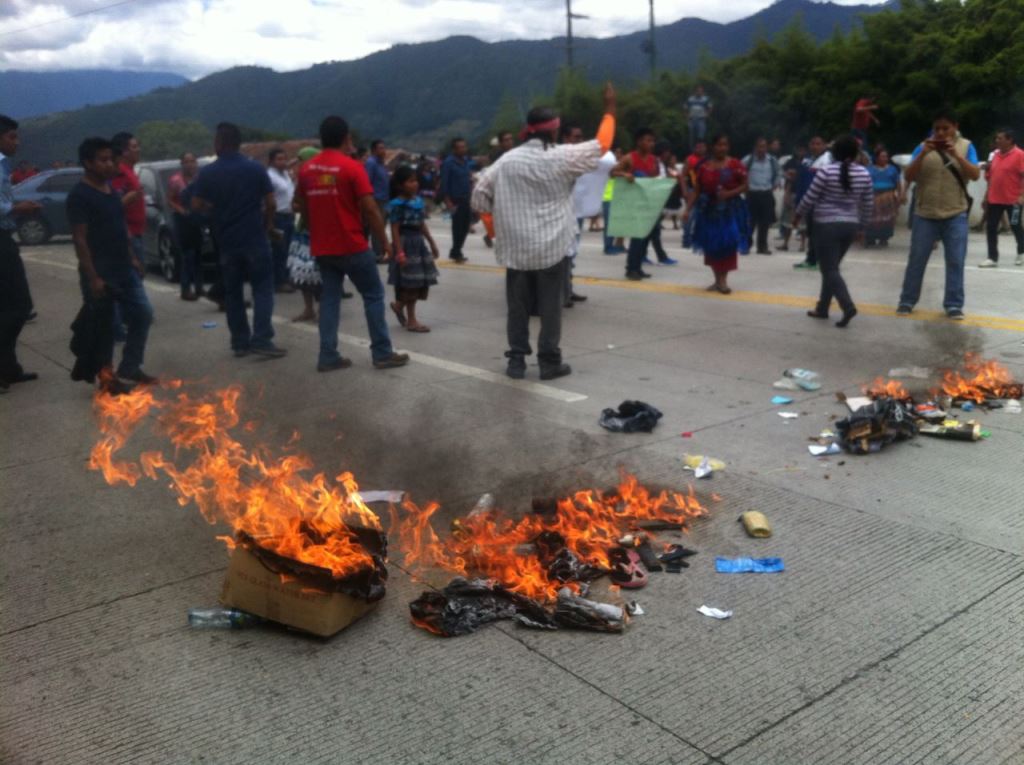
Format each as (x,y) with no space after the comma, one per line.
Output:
(816,314)
(634,276)
(516,369)
(270,351)
(140,377)
(338,363)
(568,304)
(488,241)
(903,310)
(579,298)
(955,314)
(22,377)
(347,295)
(645,275)
(116,387)
(31,317)
(240,352)
(847,316)
(189,296)
(559,370)
(392,361)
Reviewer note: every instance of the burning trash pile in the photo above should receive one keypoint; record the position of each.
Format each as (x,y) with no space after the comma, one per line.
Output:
(890,412)
(537,569)
(306,550)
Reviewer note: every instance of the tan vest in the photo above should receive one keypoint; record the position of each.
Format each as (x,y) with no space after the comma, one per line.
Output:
(939,194)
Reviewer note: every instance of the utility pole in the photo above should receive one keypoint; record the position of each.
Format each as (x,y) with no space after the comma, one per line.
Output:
(569,45)
(650,41)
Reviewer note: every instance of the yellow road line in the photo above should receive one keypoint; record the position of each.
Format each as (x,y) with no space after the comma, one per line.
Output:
(766,298)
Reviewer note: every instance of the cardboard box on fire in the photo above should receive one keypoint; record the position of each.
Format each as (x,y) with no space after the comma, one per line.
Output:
(251,586)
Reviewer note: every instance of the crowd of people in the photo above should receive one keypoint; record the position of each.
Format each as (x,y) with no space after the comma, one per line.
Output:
(329,214)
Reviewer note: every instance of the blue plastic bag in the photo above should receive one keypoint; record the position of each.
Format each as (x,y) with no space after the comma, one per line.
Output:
(749,565)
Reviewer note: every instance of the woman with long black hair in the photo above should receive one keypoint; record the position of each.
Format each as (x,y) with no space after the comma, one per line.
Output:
(842,201)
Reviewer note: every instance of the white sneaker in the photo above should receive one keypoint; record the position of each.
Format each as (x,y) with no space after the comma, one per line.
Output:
(988,264)
(1019,261)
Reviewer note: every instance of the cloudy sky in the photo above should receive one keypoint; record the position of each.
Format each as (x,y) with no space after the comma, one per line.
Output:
(196,37)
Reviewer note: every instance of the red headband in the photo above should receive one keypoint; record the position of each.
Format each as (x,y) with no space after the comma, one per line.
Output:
(540,127)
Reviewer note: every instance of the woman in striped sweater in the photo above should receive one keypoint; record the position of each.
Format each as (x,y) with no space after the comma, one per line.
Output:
(842,201)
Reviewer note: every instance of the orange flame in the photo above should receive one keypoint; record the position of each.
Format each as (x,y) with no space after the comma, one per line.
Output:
(501,548)
(272,499)
(882,388)
(980,380)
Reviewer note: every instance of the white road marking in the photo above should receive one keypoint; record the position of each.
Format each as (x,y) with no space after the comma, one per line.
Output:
(464,370)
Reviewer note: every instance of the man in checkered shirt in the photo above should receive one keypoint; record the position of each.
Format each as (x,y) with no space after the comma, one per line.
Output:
(528,191)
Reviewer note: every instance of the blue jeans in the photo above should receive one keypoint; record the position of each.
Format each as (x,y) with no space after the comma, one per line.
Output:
(257,264)
(361,269)
(698,129)
(285,222)
(609,241)
(924,233)
(133,305)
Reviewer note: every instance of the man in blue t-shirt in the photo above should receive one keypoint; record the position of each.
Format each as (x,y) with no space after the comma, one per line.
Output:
(109,272)
(456,189)
(236,194)
(380,180)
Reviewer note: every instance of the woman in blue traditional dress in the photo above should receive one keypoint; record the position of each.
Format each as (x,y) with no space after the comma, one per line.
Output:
(412,270)
(721,227)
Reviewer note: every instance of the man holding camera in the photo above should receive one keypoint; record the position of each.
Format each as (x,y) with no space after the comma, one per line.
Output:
(942,166)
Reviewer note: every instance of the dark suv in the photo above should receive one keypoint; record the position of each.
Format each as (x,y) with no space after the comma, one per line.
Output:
(161,250)
(50,189)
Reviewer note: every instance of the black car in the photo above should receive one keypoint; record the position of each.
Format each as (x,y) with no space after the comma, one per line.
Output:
(50,189)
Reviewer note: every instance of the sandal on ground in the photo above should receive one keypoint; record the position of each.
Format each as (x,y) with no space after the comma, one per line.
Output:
(626,569)
(724,290)
(417,328)
(305,317)
(399,312)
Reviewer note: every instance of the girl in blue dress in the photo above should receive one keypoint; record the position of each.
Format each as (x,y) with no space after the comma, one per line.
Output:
(412,270)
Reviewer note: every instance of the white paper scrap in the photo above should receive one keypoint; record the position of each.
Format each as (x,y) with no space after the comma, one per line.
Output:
(789,415)
(388,495)
(817,450)
(714,613)
(703,470)
(853,403)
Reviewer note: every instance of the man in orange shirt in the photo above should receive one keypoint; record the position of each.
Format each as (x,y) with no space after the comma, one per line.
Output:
(1005,176)
(335,197)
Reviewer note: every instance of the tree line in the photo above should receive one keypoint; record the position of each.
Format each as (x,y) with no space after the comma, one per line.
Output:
(914,59)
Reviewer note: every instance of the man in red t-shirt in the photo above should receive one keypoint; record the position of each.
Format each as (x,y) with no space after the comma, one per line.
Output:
(334,196)
(863,117)
(126,183)
(1005,195)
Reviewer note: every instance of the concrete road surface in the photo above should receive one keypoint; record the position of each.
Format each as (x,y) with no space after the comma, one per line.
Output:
(896,633)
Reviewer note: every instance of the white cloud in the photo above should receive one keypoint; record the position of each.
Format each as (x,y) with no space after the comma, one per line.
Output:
(196,37)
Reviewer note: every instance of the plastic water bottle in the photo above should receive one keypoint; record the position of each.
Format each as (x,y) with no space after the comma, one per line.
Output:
(221,618)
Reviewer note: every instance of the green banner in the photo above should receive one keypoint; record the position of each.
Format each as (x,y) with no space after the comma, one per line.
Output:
(636,206)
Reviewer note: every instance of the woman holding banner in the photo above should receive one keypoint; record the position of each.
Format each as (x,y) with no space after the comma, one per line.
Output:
(722,226)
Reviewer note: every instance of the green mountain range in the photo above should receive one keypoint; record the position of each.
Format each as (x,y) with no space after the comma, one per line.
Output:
(417,95)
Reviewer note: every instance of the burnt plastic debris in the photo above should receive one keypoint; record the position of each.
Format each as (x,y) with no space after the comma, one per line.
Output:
(464,606)
(631,417)
(562,564)
(873,427)
(675,558)
(579,613)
